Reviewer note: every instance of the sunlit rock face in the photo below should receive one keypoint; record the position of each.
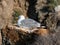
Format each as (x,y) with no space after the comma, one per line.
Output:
(6,10)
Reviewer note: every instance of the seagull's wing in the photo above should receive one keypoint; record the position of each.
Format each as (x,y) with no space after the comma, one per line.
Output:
(30,23)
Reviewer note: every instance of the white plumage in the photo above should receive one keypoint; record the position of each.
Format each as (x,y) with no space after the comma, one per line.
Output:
(27,23)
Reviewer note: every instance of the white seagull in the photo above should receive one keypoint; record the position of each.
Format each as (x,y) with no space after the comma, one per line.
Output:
(27,22)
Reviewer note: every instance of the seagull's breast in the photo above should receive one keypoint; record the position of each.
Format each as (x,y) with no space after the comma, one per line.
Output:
(19,22)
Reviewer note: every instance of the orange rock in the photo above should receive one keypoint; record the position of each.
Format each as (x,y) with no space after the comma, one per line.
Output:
(42,32)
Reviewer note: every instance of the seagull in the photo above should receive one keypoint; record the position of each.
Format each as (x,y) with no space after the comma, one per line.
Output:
(27,22)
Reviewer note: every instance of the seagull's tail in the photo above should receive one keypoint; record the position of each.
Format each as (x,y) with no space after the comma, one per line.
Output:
(38,24)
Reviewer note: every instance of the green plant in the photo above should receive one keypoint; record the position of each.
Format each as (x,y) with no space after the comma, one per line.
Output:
(15,16)
(53,3)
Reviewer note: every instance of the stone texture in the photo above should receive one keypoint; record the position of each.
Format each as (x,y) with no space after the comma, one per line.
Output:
(0,38)
(6,8)
(39,10)
(12,36)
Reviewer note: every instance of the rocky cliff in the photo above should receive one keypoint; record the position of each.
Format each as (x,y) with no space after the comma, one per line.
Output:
(40,10)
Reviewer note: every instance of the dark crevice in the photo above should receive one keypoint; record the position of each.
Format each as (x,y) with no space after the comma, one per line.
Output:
(48,1)
(44,9)
(26,40)
(0,0)
(58,23)
(31,13)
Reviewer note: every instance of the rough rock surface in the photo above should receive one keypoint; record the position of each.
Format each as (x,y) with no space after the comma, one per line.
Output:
(0,38)
(6,9)
(11,36)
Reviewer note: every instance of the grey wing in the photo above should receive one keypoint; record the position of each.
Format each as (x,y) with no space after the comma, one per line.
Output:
(26,23)
(30,23)
(36,24)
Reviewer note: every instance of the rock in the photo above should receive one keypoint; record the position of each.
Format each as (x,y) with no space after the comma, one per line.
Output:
(51,22)
(6,8)
(0,38)
(39,10)
(13,36)
(57,10)
(42,32)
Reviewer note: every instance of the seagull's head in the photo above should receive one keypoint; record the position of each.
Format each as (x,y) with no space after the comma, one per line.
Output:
(21,17)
